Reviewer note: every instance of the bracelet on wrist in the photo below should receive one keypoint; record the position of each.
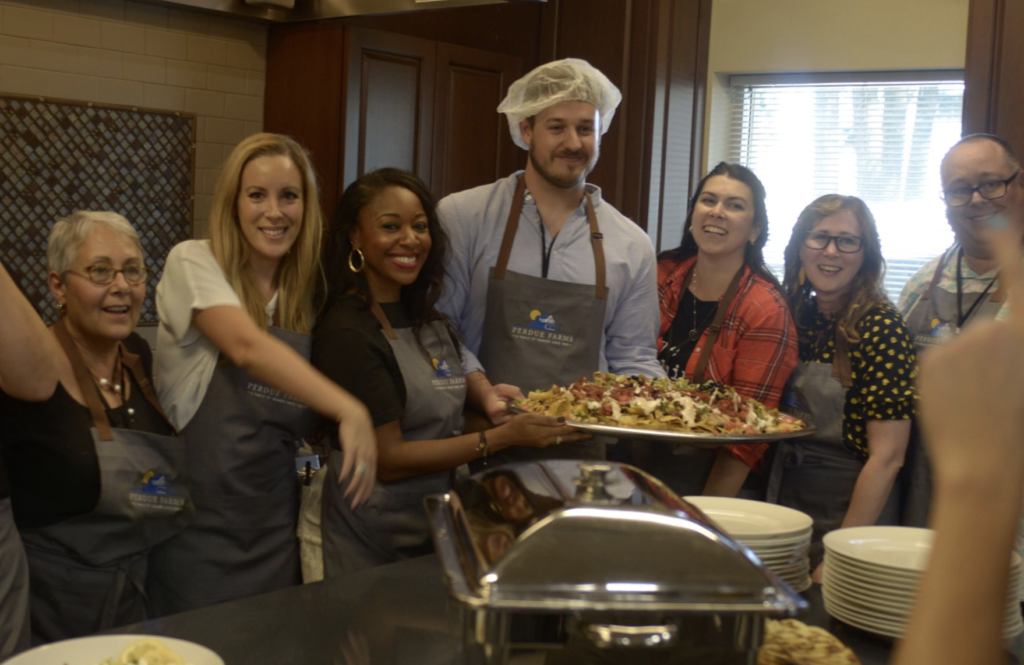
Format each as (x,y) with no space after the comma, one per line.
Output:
(482,447)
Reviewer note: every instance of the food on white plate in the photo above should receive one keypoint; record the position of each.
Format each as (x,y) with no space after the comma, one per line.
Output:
(659,404)
(146,652)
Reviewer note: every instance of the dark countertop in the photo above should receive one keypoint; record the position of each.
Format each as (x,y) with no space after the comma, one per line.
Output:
(394,615)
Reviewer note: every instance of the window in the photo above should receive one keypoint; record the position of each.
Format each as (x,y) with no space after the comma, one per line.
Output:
(881,140)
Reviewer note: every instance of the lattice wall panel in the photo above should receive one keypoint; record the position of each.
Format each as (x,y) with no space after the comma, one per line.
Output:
(59,157)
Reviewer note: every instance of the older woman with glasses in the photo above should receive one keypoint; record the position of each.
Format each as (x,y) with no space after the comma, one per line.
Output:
(95,471)
(855,378)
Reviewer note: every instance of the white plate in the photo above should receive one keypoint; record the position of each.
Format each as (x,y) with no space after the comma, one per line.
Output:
(866,576)
(758,521)
(899,548)
(802,545)
(93,650)
(784,560)
(898,610)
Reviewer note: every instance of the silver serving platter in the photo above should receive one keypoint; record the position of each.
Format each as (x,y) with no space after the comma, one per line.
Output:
(702,438)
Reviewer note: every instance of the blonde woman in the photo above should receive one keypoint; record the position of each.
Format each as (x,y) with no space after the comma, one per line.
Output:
(232,350)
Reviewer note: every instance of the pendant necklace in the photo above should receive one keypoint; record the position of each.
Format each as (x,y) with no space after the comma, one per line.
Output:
(696,329)
(115,384)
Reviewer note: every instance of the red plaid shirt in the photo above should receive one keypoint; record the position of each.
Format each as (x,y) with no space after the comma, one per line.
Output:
(756,349)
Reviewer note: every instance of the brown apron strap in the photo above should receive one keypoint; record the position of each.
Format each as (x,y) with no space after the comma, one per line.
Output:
(512,225)
(134,364)
(716,325)
(841,368)
(85,382)
(510,229)
(1000,294)
(382,318)
(597,242)
(936,278)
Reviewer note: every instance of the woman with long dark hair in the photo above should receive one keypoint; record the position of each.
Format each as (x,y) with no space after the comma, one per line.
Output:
(724,319)
(382,338)
(855,378)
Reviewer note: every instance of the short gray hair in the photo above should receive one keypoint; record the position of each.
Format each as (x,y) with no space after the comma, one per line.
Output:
(69,234)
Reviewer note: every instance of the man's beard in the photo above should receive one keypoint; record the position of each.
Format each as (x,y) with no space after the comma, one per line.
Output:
(563,182)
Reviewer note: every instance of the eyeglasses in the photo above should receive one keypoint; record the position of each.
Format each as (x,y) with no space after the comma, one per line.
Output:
(104,273)
(990,190)
(845,244)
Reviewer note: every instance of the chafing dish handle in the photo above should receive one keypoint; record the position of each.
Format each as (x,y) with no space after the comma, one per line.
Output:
(607,636)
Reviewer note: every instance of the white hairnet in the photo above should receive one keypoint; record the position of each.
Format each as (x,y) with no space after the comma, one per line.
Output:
(569,80)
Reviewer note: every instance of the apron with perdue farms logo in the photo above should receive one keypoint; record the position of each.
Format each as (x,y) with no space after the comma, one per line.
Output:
(817,474)
(241,447)
(540,332)
(934,320)
(91,569)
(393,524)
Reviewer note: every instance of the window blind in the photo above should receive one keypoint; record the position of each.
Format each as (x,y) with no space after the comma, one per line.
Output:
(880,139)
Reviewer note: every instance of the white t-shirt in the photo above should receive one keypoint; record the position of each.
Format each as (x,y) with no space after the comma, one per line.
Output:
(185,360)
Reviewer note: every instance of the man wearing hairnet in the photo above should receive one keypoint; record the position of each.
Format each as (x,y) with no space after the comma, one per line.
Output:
(547,282)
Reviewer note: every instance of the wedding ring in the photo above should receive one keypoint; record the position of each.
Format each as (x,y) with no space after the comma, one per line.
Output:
(558,439)
(360,469)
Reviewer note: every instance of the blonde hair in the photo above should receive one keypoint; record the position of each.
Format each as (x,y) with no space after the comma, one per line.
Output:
(300,269)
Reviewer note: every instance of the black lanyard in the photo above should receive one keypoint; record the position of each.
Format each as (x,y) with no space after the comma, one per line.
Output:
(545,252)
(961,318)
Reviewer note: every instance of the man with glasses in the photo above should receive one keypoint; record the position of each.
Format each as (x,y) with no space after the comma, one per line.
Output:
(983,189)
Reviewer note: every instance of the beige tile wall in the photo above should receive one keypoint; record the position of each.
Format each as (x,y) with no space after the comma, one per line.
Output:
(123,52)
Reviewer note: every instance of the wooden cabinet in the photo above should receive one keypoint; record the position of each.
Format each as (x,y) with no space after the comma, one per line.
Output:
(420,92)
(993,95)
(402,101)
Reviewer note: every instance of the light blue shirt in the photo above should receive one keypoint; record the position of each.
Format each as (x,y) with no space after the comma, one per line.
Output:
(475,221)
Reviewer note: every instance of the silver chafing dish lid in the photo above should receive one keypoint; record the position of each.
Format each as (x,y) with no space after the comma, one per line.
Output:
(571,535)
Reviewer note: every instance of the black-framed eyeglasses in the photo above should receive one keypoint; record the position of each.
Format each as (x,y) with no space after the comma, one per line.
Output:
(845,244)
(989,190)
(104,273)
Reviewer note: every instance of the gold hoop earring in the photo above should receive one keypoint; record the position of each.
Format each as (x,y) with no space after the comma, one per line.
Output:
(62,308)
(362,260)
(801,277)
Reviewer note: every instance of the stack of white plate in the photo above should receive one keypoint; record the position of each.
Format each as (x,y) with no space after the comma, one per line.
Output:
(872,574)
(779,536)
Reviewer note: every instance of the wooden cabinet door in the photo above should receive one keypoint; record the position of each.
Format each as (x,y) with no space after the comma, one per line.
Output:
(389,103)
(472,145)
(993,94)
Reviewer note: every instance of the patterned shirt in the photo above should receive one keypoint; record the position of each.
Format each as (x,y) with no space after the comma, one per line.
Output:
(883,367)
(971,282)
(756,349)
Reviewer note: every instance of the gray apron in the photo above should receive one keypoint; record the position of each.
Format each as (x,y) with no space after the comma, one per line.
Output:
(817,474)
(931,322)
(685,469)
(14,624)
(241,454)
(87,573)
(540,332)
(392,525)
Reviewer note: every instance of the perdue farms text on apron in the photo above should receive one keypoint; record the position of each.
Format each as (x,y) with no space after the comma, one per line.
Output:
(393,525)
(539,332)
(144,500)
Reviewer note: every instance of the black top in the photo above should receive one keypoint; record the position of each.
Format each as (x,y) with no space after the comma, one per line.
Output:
(883,368)
(679,342)
(5,486)
(49,454)
(350,349)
